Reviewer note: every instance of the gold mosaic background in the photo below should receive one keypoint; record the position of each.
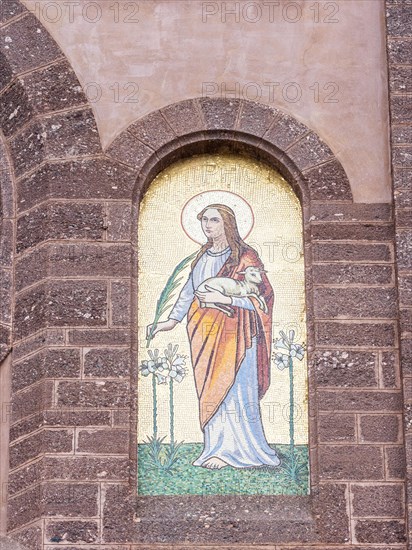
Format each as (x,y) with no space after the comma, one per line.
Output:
(276,235)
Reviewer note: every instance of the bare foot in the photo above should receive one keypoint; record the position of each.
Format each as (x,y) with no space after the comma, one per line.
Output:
(214,463)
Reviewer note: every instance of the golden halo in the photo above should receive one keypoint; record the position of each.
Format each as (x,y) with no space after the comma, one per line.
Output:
(242,209)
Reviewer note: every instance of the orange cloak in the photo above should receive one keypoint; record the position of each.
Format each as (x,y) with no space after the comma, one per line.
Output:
(218,343)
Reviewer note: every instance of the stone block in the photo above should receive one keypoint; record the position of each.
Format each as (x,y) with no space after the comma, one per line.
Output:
(121,303)
(71,303)
(378,500)
(184,117)
(345,368)
(351,334)
(153,130)
(350,462)
(336,428)
(128,149)
(256,118)
(352,303)
(119,221)
(53,88)
(99,337)
(395,462)
(83,532)
(70,499)
(309,151)
(352,274)
(107,363)
(15,109)
(359,401)
(87,468)
(285,131)
(380,428)
(43,49)
(219,113)
(380,531)
(351,252)
(93,394)
(108,441)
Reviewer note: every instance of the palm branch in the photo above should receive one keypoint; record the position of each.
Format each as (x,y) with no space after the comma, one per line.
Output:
(167,294)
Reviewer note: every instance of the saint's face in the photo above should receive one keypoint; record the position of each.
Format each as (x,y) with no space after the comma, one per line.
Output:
(212,224)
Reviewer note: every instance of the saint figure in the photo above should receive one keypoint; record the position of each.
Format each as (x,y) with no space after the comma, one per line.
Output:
(230,352)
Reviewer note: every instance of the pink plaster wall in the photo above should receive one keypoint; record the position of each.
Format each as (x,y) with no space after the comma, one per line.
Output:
(164,51)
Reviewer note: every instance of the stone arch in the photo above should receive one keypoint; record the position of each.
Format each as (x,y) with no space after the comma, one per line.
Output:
(203,125)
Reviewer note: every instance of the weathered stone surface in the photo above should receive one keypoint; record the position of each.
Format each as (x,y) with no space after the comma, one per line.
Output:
(30,312)
(405,290)
(331,512)
(256,118)
(108,441)
(390,369)
(380,532)
(28,424)
(121,303)
(219,114)
(29,44)
(129,150)
(53,88)
(31,268)
(119,221)
(6,243)
(404,247)
(71,303)
(184,117)
(69,499)
(349,334)
(356,400)
(355,274)
(46,441)
(352,231)
(401,109)
(107,363)
(11,8)
(65,180)
(401,135)
(28,148)
(58,417)
(350,303)
(336,428)
(93,394)
(309,151)
(15,109)
(350,462)
(395,462)
(378,501)
(6,285)
(72,531)
(399,19)
(328,181)
(350,212)
(98,337)
(86,468)
(400,79)
(6,74)
(345,368)
(24,508)
(52,363)
(399,51)
(350,252)
(285,131)
(153,130)
(380,428)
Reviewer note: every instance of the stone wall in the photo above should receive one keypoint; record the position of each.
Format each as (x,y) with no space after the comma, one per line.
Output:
(69,275)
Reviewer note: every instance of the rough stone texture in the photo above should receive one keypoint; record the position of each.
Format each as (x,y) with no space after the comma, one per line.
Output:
(357,400)
(153,130)
(184,117)
(69,499)
(337,428)
(345,368)
(86,468)
(351,252)
(330,508)
(395,462)
(378,501)
(219,114)
(93,394)
(113,337)
(256,119)
(381,532)
(352,274)
(32,45)
(285,130)
(380,428)
(107,363)
(309,151)
(350,334)
(351,462)
(103,441)
(129,150)
(347,303)
(121,302)
(72,531)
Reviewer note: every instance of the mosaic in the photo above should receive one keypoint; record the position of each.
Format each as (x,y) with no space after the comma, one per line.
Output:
(221,324)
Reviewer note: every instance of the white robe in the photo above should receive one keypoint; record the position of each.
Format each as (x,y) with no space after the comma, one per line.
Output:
(235,432)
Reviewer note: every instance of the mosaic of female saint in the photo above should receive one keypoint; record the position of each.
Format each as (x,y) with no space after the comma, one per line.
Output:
(217,413)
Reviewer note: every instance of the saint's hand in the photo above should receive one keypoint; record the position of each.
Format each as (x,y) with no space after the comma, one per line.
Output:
(163,326)
(212,296)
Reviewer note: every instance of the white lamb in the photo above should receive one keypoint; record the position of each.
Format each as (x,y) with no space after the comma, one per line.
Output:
(230,287)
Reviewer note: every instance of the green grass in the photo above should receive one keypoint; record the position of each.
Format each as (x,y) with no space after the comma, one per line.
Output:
(193,480)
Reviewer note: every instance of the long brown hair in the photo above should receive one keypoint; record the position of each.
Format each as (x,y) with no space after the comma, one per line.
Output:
(236,243)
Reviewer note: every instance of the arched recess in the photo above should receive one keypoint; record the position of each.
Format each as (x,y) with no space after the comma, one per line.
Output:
(202,126)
